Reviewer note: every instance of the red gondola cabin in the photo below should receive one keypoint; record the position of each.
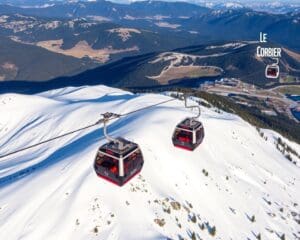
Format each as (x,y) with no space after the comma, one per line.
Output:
(188,134)
(118,161)
(272,71)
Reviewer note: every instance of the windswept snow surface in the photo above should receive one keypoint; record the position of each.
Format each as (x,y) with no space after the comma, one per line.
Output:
(52,192)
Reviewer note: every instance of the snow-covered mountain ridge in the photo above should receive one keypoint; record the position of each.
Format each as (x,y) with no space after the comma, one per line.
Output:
(235,185)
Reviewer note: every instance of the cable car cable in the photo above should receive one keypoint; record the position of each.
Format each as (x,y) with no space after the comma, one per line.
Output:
(48,140)
(150,106)
(84,128)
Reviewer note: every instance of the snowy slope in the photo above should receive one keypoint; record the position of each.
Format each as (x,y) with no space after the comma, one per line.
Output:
(52,192)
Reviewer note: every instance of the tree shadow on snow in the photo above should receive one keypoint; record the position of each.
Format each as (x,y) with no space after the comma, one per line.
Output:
(102,99)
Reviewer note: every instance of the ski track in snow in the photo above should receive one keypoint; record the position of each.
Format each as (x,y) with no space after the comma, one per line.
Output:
(52,192)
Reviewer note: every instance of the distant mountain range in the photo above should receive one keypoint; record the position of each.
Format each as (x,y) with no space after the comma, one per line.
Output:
(188,65)
(69,38)
(196,23)
(100,40)
(181,67)
(270,6)
(31,63)
(109,9)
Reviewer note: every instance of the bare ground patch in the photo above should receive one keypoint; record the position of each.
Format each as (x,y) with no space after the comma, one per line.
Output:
(180,72)
(9,66)
(292,54)
(258,58)
(293,89)
(167,25)
(231,67)
(124,33)
(83,49)
(8,70)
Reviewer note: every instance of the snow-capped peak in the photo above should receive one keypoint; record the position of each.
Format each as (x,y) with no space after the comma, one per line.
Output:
(236,185)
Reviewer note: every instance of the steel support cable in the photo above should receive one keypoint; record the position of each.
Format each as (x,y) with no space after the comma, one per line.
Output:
(48,140)
(115,116)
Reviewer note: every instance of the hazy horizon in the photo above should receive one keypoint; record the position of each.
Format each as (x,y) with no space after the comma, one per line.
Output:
(190,1)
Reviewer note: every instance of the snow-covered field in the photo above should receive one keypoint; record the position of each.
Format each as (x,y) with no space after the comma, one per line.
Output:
(236,182)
